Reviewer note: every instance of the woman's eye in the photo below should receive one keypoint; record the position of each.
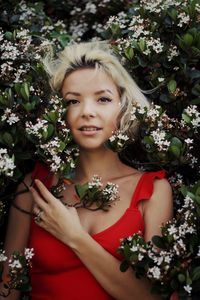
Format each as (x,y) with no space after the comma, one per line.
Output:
(71,102)
(104,99)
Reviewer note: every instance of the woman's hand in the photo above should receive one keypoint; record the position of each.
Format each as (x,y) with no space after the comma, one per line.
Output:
(61,221)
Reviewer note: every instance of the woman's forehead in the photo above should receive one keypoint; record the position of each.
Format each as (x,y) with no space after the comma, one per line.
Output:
(88,79)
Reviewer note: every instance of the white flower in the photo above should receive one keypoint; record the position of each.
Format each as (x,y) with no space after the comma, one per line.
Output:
(197,7)
(172,229)
(36,129)
(154,272)
(95,182)
(2,256)
(198,254)
(184,19)
(28,252)
(91,8)
(15,264)
(111,190)
(154,112)
(189,141)
(7,165)
(173,52)
(158,260)
(188,288)
(55,163)
(134,248)
(9,117)
(167,259)
(140,257)
(159,137)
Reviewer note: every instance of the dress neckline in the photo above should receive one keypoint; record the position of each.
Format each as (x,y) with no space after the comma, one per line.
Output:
(131,207)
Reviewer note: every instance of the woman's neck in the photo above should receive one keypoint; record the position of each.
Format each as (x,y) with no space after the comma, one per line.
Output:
(104,163)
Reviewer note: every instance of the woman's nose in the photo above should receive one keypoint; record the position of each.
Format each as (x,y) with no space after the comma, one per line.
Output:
(88,109)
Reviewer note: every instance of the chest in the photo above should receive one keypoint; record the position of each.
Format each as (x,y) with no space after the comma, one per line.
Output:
(99,220)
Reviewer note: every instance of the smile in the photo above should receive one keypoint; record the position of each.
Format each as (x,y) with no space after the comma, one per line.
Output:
(89,128)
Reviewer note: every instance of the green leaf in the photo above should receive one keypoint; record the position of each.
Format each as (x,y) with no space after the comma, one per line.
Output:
(142,45)
(8,36)
(62,145)
(195,101)
(115,29)
(127,251)
(175,151)
(186,118)
(196,90)
(23,155)
(129,53)
(52,116)
(25,91)
(188,39)
(7,138)
(50,130)
(175,147)
(81,189)
(172,13)
(158,242)
(148,140)
(197,199)
(181,278)
(196,273)
(164,98)
(197,193)
(172,86)
(176,142)
(124,266)
(17,87)
(29,106)
(184,190)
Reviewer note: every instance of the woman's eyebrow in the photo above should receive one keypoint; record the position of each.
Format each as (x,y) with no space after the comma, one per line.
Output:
(96,93)
(103,91)
(72,93)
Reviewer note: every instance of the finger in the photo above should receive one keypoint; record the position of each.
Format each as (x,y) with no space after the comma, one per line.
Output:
(38,200)
(36,209)
(44,191)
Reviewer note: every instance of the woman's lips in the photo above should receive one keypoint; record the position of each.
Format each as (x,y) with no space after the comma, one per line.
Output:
(89,130)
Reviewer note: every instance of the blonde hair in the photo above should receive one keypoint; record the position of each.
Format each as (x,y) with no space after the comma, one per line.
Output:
(98,55)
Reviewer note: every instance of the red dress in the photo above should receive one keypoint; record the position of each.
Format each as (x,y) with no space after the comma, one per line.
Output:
(58,274)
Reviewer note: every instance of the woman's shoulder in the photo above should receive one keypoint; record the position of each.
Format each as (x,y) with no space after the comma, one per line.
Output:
(161,195)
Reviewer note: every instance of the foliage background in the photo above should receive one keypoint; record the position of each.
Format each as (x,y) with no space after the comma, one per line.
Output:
(157,41)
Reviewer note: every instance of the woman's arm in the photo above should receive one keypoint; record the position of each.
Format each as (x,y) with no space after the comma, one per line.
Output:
(158,209)
(64,224)
(18,229)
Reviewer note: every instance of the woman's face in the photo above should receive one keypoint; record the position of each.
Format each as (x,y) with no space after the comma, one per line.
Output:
(93,104)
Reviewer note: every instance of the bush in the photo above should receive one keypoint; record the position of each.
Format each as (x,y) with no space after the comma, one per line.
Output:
(159,43)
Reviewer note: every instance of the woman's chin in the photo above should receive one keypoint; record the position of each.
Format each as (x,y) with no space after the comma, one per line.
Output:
(92,148)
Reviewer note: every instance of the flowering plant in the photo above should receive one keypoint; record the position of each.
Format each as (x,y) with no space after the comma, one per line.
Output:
(94,192)
(25,93)
(18,271)
(168,140)
(170,261)
(158,42)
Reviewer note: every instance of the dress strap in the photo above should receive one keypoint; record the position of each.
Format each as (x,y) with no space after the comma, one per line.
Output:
(42,173)
(144,188)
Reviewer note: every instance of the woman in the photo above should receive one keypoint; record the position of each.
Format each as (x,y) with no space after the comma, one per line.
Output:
(76,249)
